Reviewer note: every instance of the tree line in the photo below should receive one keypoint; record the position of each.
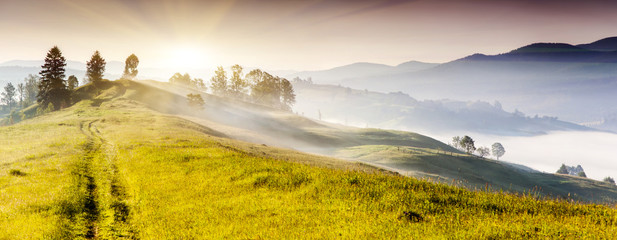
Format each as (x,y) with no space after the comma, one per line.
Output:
(467,145)
(51,89)
(256,86)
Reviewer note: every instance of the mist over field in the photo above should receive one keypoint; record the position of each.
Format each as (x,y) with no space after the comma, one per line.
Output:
(594,151)
(312,119)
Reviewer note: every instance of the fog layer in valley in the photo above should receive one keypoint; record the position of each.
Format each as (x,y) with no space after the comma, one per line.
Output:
(542,143)
(574,83)
(594,151)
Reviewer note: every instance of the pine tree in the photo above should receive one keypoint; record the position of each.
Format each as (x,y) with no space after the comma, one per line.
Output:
(96,68)
(130,67)
(52,86)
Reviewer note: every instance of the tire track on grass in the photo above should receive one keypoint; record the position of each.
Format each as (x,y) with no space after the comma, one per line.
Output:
(114,198)
(106,214)
(85,220)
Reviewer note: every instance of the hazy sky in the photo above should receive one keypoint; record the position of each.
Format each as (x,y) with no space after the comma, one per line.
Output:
(293,34)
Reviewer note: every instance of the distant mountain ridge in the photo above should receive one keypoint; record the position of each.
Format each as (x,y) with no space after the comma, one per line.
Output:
(361,69)
(553,52)
(114,67)
(572,82)
(396,110)
(607,44)
(16,70)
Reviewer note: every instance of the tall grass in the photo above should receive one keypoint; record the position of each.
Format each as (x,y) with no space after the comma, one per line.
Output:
(159,177)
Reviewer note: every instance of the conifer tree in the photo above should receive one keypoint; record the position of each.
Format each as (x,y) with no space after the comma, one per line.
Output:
(96,68)
(52,86)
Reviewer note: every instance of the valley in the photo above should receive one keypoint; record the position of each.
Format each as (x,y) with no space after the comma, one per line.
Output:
(126,162)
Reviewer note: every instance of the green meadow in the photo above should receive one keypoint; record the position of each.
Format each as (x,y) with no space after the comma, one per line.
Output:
(112,168)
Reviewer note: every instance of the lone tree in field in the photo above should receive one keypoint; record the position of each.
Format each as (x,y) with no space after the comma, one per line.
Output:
(609,180)
(498,150)
(195,100)
(456,142)
(96,68)
(72,82)
(563,169)
(467,144)
(52,86)
(130,67)
(219,82)
(482,152)
(8,96)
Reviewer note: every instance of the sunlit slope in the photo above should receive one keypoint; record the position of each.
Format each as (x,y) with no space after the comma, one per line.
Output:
(409,153)
(112,167)
(478,173)
(260,124)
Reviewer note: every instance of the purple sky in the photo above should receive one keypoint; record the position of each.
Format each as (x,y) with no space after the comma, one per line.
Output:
(293,34)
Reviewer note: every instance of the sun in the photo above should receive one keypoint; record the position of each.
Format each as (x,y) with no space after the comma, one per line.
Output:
(183,58)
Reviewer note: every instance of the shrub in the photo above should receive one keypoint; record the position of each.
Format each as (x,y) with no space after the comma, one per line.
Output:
(17,172)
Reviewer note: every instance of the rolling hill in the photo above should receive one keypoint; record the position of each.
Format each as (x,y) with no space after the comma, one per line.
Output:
(396,110)
(359,70)
(133,160)
(573,83)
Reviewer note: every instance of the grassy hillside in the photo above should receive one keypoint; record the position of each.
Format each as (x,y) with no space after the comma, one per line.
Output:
(111,167)
(473,172)
(412,154)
